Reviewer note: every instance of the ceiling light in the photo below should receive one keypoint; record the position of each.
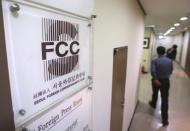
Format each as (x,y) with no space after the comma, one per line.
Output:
(169,30)
(183,18)
(160,37)
(150,26)
(177,24)
(166,33)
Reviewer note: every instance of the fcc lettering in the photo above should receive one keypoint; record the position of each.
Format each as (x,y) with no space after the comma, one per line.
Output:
(49,47)
(60,48)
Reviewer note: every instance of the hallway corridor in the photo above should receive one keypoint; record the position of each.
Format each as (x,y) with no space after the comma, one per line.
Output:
(147,119)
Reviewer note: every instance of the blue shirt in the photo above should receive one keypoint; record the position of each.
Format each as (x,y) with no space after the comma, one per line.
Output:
(161,68)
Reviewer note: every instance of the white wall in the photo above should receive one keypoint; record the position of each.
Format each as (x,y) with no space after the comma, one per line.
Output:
(147,53)
(184,49)
(178,40)
(80,7)
(118,23)
(153,46)
(169,41)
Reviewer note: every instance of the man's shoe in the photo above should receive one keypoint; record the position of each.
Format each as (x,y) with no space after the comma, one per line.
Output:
(152,105)
(165,123)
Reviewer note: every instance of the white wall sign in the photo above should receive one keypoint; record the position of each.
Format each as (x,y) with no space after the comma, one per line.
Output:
(48,57)
(80,7)
(71,115)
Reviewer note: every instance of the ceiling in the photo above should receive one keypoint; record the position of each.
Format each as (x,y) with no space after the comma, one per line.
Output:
(165,13)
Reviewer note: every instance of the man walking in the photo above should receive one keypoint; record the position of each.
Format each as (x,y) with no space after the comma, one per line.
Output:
(171,53)
(161,69)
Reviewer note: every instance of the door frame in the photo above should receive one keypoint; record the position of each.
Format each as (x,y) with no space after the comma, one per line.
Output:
(113,85)
(7,117)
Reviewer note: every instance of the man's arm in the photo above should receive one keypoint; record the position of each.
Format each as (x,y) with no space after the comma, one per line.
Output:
(174,54)
(171,67)
(153,73)
(153,69)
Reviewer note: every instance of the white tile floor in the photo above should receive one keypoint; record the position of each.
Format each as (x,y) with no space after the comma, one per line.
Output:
(147,119)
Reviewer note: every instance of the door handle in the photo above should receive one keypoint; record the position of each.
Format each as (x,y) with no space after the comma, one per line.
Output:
(122,104)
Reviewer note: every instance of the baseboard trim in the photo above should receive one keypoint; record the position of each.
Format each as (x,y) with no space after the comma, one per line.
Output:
(133,114)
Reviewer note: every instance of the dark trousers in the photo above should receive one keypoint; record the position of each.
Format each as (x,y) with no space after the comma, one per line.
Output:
(164,89)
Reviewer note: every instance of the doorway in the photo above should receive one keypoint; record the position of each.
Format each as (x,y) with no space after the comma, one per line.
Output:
(118,87)
(187,66)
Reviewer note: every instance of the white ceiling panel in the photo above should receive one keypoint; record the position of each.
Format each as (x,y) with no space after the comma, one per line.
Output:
(165,13)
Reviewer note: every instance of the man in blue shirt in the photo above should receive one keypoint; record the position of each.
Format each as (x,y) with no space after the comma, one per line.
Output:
(161,69)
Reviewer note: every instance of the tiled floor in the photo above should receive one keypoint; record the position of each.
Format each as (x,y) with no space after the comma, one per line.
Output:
(147,119)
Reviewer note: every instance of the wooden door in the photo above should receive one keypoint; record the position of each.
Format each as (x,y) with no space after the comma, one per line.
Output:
(187,66)
(118,87)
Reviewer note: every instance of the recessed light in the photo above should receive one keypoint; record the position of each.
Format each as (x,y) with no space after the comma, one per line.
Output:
(177,24)
(172,28)
(165,34)
(161,37)
(168,31)
(183,18)
(150,26)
